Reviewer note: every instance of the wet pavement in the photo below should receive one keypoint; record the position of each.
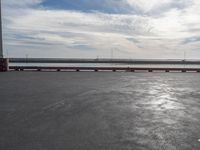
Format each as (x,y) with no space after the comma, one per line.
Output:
(99,111)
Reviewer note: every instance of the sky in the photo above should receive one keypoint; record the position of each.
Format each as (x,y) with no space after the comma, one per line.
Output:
(132,29)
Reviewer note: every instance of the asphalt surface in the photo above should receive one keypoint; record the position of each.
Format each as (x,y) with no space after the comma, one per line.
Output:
(99,111)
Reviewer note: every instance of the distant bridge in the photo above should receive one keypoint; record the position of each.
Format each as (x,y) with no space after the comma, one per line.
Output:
(110,61)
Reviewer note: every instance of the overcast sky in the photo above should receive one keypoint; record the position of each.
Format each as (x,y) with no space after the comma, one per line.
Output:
(102,28)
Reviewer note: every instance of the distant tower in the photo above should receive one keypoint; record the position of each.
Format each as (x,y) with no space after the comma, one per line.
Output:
(3,61)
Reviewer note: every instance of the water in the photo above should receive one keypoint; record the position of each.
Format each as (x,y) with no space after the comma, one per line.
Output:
(101,111)
(104,65)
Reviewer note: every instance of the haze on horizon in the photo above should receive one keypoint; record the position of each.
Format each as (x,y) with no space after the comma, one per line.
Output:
(136,29)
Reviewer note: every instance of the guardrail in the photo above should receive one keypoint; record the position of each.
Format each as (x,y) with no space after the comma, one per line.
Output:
(96,69)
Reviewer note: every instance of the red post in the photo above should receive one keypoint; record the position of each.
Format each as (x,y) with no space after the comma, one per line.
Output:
(3,65)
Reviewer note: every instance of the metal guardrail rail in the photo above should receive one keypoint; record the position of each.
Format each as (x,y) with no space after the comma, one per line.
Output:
(96,69)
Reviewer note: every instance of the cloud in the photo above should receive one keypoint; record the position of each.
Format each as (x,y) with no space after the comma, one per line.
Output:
(133,40)
(157,7)
(191,40)
(145,7)
(136,29)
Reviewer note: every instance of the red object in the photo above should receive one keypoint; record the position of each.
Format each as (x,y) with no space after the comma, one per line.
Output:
(3,65)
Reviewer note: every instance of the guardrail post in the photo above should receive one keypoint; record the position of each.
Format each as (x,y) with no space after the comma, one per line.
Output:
(183,71)
(114,70)
(150,70)
(132,70)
